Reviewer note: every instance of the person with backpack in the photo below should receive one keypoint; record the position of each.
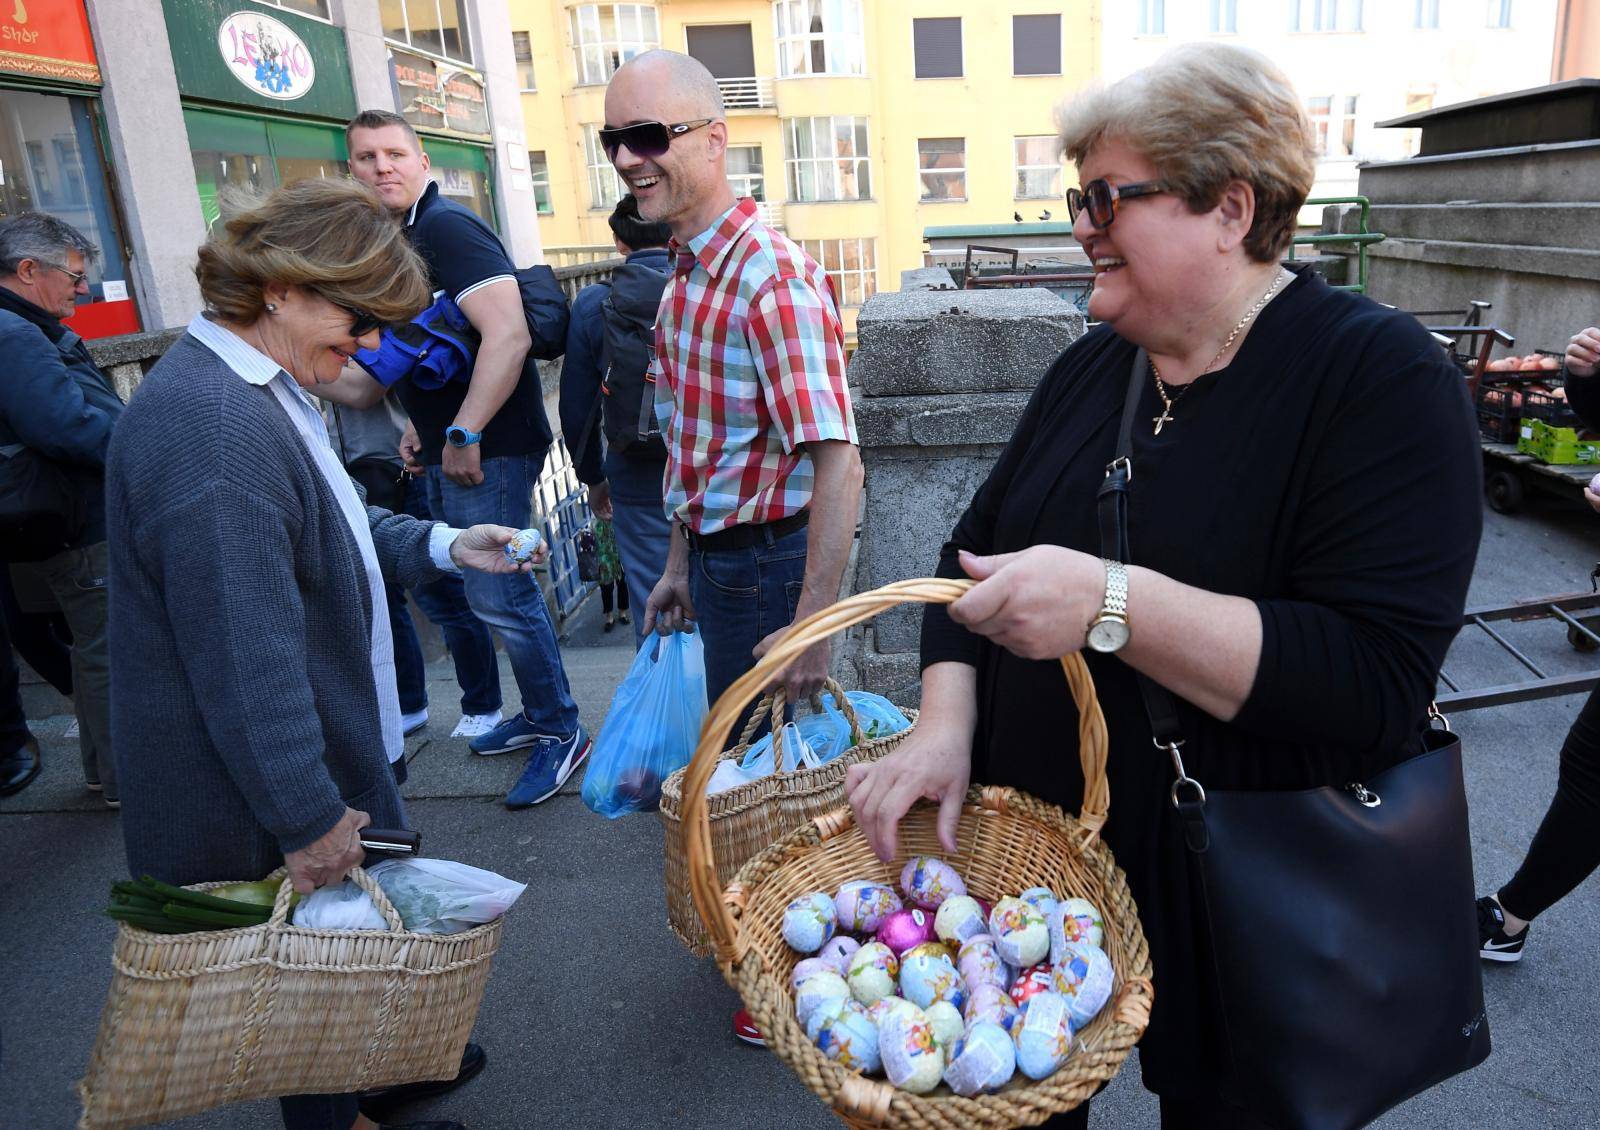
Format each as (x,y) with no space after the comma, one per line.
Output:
(607,387)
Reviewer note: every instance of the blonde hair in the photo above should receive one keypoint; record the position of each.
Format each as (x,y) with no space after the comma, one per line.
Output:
(333,237)
(1207,114)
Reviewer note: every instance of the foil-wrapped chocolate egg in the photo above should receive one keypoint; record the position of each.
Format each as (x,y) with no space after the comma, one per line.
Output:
(979,963)
(1075,920)
(959,919)
(876,1012)
(809,921)
(1019,932)
(522,546)
(993,1004)
(906,928)
(849,1039)
(873,974)
(1043,1035)
(927,974)
(1043,898)
(807,966)
(824,1013)
(1039,979)
(863,905)
(816,989)
(927,881)
(912,1058)
(982,1061)
(1084,977)
(838,950)
(946,1021)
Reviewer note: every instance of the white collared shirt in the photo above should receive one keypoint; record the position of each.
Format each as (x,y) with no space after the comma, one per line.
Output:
(258,369)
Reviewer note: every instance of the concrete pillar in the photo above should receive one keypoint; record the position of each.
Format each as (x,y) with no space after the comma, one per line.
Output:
(513,188)
(938,380)
(150,154)
(369,57)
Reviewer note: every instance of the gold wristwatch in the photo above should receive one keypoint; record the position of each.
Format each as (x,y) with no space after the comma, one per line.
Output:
(1108,631)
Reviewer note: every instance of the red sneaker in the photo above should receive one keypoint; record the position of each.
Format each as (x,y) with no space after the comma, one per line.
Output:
(745,1028)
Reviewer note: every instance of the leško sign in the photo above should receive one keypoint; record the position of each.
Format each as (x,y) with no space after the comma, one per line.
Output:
(266,56)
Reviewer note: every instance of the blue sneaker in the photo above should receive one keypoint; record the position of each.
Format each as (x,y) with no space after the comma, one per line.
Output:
(550,763)
(515,732)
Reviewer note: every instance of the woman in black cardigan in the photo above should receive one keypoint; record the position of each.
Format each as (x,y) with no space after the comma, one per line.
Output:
(1303,519)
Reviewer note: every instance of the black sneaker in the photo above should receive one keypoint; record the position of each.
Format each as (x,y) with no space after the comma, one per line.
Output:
(1494,944)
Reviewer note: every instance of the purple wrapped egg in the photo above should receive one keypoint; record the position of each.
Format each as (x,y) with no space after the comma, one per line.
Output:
(1043,1035)
(1084,977)
(810,966)
(906,928)
(982,1061)
(874,973)
(1075,920)
(849,1038)
(809,921)
(958,919)
(993,1005)
(927,974)
(979,963)
(863,905)
(1019,932)
(839,949)
(928,881)
(816,989)
(912,1059)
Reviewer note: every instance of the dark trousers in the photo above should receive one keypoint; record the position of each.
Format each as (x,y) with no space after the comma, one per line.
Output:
(614,593)
(13,724)
(318,1112)
(43,639)
(1566,849)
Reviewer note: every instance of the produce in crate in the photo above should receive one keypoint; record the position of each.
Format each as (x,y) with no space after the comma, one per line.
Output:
(927,881)
(809,921)
(862,905)
(1043,1035)
(981,1061)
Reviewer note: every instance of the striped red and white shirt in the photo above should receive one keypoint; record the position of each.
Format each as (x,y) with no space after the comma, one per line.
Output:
(750,353)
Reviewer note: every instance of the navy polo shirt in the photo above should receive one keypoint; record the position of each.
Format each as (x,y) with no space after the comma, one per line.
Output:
(463,254)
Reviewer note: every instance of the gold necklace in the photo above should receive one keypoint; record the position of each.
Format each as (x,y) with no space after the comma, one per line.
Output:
(1168,402)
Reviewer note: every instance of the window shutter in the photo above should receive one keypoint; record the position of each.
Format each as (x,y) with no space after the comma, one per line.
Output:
(725,49)
(937,47)
(1036,45)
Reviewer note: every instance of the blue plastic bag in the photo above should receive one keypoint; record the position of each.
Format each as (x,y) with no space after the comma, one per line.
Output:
(652,727)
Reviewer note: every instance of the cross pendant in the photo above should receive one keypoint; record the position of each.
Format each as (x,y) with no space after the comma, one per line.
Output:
(1163,419)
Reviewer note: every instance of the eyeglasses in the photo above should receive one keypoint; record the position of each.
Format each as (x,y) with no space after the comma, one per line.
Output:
(646,139)
(362,323)
(1099,198)
(77,277)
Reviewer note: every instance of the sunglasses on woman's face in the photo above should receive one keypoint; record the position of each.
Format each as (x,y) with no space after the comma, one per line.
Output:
(646,139)
(362,323)
(1099,198)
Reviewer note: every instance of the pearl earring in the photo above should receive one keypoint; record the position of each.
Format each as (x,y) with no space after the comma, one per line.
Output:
(271,308)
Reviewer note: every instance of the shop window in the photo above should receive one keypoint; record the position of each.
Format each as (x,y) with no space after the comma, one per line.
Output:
(50,162)
(936,47)
(942,163)
(522,47)
(438,27)
(850,263)
(1152,17)
(318,8)
(1324,15)
(819,37)
(1037,162)
(828,159)
(605,36)
(539,174)
(1225,17)
(1036,45)
(605,186)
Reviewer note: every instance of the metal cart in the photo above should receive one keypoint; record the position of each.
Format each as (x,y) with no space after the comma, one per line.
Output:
(1569,609)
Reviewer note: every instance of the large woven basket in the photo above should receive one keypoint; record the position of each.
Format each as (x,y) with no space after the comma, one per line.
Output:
(750,818)
(1007,842)
(194,1021)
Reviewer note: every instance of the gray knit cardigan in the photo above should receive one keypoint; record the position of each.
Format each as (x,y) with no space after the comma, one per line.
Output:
(243,714)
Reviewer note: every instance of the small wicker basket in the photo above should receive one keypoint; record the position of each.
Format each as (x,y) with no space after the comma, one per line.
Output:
(751,817)
(195,1021)
(1007,842)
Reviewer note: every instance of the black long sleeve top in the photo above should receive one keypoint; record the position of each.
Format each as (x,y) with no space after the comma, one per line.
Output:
(1330,473)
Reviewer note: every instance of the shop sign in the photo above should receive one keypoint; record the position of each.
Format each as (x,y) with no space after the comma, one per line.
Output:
(438,96)
(49,39)
(466,110)
(266,56)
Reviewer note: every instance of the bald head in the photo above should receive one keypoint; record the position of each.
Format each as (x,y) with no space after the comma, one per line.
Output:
(681,81)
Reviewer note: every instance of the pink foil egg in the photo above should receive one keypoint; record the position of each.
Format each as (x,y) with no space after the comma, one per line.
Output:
(906,928)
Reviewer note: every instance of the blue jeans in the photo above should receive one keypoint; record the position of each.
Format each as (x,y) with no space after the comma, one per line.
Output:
(444,601)
(318,1112)
(511,603)
(741,596)
(644,532)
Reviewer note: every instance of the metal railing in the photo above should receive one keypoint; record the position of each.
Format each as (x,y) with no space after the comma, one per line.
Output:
(746,93)
(561,511)
(770,212)
(1361,238)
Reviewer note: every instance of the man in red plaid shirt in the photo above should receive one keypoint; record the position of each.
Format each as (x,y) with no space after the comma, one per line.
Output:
(763,474)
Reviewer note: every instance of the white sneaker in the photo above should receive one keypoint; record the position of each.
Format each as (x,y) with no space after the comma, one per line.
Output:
(411,723)
(475,725)
(72,730)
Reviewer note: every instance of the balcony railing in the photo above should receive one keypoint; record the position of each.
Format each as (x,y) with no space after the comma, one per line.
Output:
(770,213)
(746,93)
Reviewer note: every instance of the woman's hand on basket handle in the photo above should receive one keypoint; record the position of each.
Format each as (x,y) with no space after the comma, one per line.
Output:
(1036,603)
(933,763)
(329,859)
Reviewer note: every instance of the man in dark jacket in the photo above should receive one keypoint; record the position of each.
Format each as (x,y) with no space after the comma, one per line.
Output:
(610,342)
(57,404)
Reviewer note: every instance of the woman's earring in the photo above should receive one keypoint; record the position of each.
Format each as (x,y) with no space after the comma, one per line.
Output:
(272,308)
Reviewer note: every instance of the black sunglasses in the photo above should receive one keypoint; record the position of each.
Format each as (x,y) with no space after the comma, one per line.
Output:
(362,323)
(1099,198)
(646,139)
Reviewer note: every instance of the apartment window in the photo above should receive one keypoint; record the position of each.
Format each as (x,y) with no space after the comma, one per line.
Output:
(1225,16)
(827,158)
(1036,45)
(728,52)
(942,163)
(819,37)
(746,176)
(1333,121)
(605,186)
(1426,15)
(850,263)
(936,47)
(522,47)
(1325,15)
(318,8)
(605,36)
(539,174)
(1037,161)
(437,27)
(1499,13)
(1152,17)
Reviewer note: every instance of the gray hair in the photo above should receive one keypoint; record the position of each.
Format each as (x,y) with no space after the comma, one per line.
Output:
(685,74)
(42,238)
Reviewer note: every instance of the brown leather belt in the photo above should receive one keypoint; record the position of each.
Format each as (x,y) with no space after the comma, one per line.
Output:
(743,537)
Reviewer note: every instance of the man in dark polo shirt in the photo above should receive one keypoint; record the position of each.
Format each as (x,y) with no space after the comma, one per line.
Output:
(482,441)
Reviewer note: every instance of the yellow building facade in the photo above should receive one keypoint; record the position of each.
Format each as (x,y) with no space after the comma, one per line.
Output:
(856,123)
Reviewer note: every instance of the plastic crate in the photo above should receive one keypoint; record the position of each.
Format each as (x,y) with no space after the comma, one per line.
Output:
(1503,404)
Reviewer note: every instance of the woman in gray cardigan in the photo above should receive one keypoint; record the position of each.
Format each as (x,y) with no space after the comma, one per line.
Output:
(254,708)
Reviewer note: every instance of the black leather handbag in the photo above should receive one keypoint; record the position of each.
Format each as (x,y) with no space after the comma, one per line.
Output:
(1342,932)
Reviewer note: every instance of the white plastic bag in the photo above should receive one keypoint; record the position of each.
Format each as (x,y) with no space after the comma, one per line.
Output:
(345,907)
(759,761)
(440,896)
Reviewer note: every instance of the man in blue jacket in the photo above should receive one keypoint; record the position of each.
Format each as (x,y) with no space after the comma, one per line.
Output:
(57,404)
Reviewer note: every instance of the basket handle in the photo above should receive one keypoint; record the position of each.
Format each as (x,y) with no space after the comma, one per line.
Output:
(772,703)
(703,885)
(280,905)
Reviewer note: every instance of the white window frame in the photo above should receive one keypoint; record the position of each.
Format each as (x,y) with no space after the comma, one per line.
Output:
(1331,123)
(535,179)
(533,87)
(1327,16)
(1152,18)
(1499,14)
(1425,16)
(602,173)
(864,275)
(1224,17)
(744,184)
(826,167)
(922,172)
(466,38)
(843,48)
(1055,192)
(280,6)
(594,59)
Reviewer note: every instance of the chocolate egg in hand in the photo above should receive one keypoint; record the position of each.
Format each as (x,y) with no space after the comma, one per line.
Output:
(927,881)
(809,921)
(522,546)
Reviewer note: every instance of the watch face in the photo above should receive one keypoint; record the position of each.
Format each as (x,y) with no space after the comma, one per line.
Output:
(1107,635)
